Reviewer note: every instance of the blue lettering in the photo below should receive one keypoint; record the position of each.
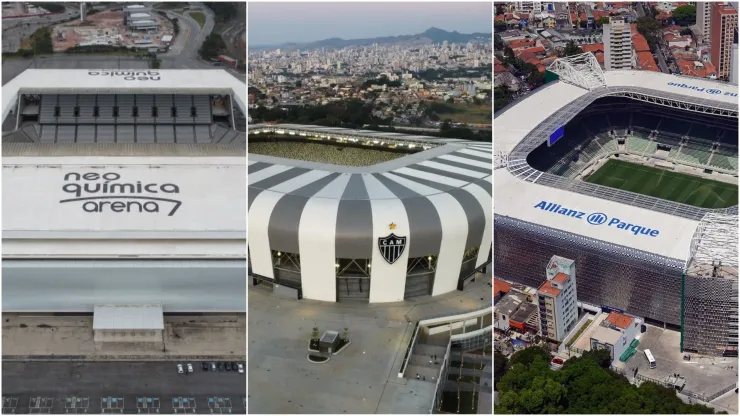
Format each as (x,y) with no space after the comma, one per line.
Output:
(621,225)
(541,205)
(613,221)
(654,233)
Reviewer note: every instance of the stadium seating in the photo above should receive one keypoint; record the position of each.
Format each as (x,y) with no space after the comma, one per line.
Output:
(323,153)
(725,158)
(636,144)
(694,155)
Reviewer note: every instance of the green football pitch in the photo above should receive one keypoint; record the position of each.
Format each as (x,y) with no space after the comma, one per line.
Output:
(664,184)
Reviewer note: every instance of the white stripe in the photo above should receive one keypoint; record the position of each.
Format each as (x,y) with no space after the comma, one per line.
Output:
(484,199)
(414,186)
(454,225)
(375,189)
(266,173)
(432,177)
(388,281)
(335,189)
(300,181)
(259,240)
(471,162)
(317,244)
(453,169)
(476,153)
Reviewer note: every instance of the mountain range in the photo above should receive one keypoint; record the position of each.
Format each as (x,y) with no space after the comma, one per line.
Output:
(431,35)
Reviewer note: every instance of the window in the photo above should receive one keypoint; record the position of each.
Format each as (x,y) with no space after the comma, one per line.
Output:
(96,111)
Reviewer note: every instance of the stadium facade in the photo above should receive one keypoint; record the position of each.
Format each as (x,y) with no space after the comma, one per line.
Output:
(414,226)
(634,253)
(125,188)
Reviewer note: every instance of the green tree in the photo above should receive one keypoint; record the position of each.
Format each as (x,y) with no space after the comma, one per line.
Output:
(685,15)
(686,31)
(600,357)
(602,21)
(500,367)
(650,28)
(571,49)
(212,46)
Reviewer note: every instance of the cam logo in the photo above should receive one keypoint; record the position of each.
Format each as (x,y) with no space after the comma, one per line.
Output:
(597,218)
(391,246)
(104,192)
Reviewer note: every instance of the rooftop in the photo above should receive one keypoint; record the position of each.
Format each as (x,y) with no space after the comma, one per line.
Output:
(509,303)
(500,286)
(525,311)
(548,289)
(115,317)
(620,320)
(561,278)
(606,335)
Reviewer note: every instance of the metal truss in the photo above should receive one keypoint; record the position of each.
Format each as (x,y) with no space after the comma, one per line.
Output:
(286,261)
(582,70)
(421,265)
(681,105)
(714,247)
(361,268)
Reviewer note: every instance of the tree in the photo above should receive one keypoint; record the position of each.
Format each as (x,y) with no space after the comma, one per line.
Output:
(600,357)
(685,15)
(500,9)
(602,21)
(212,46)
(650,28)
(500,367)
(298,84)
(686,31)
(571,49)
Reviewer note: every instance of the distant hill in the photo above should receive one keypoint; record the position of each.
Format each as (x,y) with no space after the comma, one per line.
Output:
(431,35)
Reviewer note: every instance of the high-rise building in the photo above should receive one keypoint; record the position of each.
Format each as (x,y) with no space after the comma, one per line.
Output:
(704,19)
(617,40)
(558,300)
(528,6)
(733,62)
(724,26)
(83,12)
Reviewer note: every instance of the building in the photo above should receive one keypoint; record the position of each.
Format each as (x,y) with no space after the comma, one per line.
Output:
(500,289)
(83,12)
(704,19)
(413,226)
(528,6)
(129,326)
(134,192)
(733,63)
(617,44)
(557,297)
(614,334)
(723,32)
(505,308)
(641,275)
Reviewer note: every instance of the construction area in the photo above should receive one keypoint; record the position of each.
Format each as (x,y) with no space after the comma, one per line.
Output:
(135,26)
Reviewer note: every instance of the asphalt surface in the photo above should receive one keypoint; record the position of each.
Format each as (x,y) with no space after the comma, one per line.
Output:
(48,385)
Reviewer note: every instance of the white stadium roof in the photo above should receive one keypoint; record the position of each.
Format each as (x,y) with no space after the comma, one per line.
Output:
(193,207)
(517,193)
(126,81)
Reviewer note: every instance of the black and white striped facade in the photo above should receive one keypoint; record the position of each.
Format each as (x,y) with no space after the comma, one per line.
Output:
(319,225)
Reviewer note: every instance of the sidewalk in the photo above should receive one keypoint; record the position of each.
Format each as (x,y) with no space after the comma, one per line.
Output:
(213,336)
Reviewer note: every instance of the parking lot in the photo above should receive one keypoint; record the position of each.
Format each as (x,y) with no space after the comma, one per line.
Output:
(120,387)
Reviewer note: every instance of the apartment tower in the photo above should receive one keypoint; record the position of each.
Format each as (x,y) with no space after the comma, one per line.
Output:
(617,44)
(723,28)
(557,298)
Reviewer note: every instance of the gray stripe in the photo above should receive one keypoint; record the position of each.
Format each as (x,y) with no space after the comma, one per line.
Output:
(314,187)
(284,223)
(488,171)
(484,152)
(281,177)
(354,238)
(487,186)
(471,157)
(475,215)
(440,186)
(440,172)
(424,225)
(355,189)
(258,166)
(251,195)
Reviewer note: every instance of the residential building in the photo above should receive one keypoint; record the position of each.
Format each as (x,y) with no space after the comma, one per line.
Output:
(617,44)
(704,19)
(614,334)
(724,27)
(528,6)
(557,298)
(506,307)
(562,16)
(733,62)
(500,289)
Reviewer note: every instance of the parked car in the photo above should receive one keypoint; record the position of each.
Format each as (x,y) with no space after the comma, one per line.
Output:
(241,368)
(213,366)
(190,368)
(557,360)
(179,369)
(204,365)
(227,367)
(233,367)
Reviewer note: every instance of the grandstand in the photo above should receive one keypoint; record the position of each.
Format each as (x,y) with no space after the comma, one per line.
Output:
(174,109)
(634,251)
(323,153)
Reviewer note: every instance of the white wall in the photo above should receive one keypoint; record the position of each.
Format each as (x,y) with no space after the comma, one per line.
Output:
(388,281)
(318,249)
(454,234)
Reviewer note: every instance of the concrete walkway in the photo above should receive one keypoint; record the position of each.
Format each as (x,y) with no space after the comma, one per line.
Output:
(222,336)
(361,379)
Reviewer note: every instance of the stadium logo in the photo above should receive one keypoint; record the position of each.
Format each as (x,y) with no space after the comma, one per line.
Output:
(712,91)
(103,193)
(597,218)
(127,75)
(391,246)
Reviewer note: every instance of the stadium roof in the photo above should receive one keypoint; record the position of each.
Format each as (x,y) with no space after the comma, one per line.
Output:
(126,81)
(191,206)
(519,188)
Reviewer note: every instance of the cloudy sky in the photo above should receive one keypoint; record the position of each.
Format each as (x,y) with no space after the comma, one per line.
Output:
(275,23)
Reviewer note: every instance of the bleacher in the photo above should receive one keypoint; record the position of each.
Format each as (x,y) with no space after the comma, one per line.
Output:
(636,144)
(133,118)
(725,158)
(694,155)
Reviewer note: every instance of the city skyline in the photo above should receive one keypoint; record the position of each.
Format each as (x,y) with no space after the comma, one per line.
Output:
(272,24)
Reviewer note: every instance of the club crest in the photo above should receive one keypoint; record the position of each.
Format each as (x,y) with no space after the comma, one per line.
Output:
(391,247)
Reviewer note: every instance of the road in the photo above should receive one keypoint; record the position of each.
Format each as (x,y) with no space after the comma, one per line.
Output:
(93,381)
(16,29)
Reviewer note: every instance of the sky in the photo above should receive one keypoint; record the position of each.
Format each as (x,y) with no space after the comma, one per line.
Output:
(276,23)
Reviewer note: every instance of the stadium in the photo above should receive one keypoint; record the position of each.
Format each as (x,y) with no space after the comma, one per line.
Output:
(338,214)
(126,188)
(633,174)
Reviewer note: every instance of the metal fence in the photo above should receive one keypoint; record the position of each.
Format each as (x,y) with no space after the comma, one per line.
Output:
(441,380)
